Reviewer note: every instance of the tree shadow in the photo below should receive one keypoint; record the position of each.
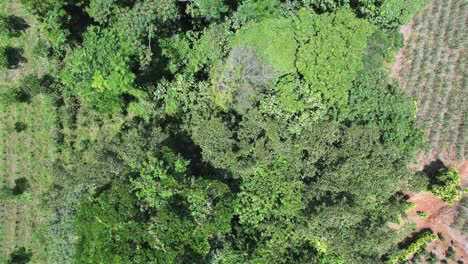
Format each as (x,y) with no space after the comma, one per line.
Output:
(21,186)
(16,25)
(432,169)
(20,255)
(20,126)
(14,57)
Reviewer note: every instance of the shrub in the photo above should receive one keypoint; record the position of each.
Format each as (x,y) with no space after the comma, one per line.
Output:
(20,255)
(422,214)
(450,253)
(14,56)
(414,247)
(21,186)
(447,185)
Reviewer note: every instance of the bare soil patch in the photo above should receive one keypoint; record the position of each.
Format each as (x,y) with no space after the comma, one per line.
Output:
(439,220)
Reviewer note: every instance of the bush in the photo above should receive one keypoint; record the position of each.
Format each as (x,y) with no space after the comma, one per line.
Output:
(450,253)
(447,185)
(21,186)
(422,214)
(12,26)
(20,256)
(14,56)
(414,247)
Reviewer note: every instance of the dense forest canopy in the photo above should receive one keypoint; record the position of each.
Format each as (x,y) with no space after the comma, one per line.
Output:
(223,131)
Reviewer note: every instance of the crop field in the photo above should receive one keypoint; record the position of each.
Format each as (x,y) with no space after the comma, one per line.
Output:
(26,155)
(432,68)
(27,148)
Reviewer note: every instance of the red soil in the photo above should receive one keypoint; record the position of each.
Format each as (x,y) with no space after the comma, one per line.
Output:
(440,218)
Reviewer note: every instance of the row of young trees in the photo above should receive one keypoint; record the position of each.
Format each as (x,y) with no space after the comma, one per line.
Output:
(215,131)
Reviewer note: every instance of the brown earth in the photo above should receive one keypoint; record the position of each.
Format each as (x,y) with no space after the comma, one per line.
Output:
(447,143)
(440,217)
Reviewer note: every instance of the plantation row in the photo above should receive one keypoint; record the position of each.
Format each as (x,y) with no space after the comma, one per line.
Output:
(434,71)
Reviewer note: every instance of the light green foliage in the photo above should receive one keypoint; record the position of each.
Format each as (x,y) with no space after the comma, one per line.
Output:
(52,16)
(171,95)
(447,186)
(272,38)
(390,13)
(3,58)
(328,58)
(99,72)
(269,193)
(421,241)
(323,48)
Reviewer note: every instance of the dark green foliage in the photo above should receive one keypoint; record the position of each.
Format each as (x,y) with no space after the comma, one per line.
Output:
(108,229)
(207,9)
(14,56)
(325,5)
(20,126)
(450,253)
(213,131)
(390,13)
(12,26)
(268,194)
(21,186)
(20,255)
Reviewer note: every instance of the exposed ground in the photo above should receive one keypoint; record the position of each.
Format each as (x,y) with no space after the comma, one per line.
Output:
(432,68)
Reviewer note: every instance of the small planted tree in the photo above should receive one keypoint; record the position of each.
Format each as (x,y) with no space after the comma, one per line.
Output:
(447,185)
(20,256)
(21,186)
